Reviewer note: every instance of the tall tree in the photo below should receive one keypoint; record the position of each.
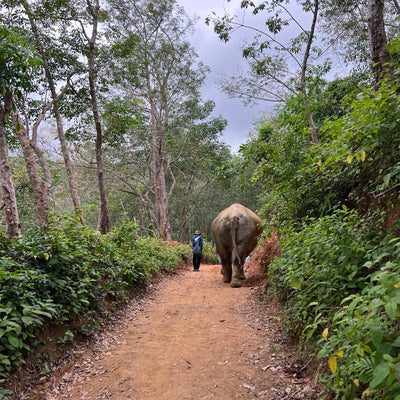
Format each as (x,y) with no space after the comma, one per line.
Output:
(159,70)
(15,55)
(16,82)
(380,56)
(347,25)
(94,11)
(13,226)
(276,68)
(49,74)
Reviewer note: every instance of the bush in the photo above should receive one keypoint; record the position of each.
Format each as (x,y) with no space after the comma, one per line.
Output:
(339,282)
(364,340)
(67,270)
(321,262)
(209,255)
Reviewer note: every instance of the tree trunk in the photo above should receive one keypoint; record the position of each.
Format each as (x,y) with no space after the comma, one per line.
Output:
(60,129)
(163,200)
(160,187)
(380,56)
(104,216)
(39,186)
(303,88)
(13,227)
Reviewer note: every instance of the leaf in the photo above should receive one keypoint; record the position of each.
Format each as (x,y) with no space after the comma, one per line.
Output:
(339,353)
(15,342)
(366,393)
(356,382)
(27,320)
(380,373)
(377,338)
(296,283)
(386,179)
(325,333)
(391,309)
(319,162)
(332,364)
(349,159)
(362,154)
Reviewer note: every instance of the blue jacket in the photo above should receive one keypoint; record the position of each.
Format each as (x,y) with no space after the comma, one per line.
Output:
(197,242)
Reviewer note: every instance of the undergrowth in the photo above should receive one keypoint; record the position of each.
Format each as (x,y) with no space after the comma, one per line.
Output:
(338,279)
(66,271)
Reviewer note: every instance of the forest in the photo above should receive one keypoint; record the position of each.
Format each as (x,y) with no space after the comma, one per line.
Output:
(108,153)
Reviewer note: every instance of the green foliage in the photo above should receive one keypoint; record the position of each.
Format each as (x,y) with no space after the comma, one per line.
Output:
(59,273)
(209,256)
(338,277)
(365,332)
(338,274)
(18,58)
(321,262)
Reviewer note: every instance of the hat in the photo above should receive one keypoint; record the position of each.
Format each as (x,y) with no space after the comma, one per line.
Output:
(197,232)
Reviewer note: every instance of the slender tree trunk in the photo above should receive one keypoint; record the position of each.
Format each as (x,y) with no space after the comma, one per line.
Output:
(60,129)
(160,189)
(303,88)
(13,226)
(39,186)
(380,56)
(165,222)
(104,216)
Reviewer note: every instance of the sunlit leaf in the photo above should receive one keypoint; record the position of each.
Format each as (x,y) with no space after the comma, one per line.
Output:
(325,333)
(332,365)
(339,353)
(366,393)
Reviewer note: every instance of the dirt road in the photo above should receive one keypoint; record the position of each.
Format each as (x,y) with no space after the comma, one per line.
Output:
(193,338)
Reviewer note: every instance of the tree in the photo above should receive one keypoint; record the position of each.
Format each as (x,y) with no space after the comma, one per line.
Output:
(271,60)
(94,11)
(158,70)
(55,101)
(346,28)
(18,62)
(13,226)
(380,56)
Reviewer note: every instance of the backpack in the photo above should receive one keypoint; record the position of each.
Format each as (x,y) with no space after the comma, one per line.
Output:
(197,241)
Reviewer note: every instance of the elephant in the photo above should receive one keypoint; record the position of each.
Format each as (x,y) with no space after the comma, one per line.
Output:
(236,230)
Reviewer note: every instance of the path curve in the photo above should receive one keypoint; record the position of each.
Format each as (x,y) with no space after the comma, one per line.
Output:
(197,338)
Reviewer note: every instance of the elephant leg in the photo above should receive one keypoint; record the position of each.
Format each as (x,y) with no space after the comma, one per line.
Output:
(237,274)
(241,272)
(226,271)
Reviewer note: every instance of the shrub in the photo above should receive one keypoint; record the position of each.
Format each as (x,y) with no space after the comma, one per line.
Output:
(321,262)
(362,345)
(209,255)
(67,270)
(339,282)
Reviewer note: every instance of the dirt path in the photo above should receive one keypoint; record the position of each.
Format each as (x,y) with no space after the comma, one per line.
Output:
(194,338)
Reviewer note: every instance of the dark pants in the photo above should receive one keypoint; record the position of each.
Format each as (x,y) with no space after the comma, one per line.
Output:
(196,260)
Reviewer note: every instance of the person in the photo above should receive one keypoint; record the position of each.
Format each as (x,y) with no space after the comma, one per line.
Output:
(197,242)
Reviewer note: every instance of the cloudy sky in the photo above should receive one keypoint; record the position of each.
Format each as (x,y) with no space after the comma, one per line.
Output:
(223,59)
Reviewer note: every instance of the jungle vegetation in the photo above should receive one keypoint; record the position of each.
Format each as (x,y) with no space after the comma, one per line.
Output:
(102,123)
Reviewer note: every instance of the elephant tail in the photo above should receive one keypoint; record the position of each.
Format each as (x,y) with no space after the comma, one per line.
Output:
(234,231)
